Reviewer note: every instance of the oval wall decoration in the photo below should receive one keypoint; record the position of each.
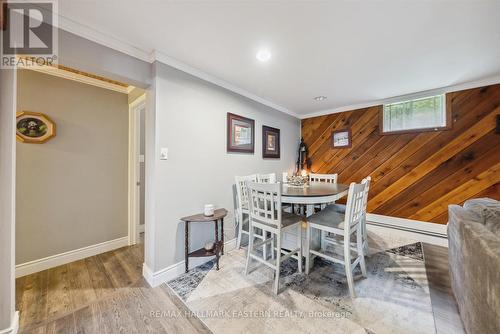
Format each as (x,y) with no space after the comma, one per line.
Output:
(34,127)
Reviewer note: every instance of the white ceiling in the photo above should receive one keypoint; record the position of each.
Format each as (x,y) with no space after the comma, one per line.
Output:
(353,52)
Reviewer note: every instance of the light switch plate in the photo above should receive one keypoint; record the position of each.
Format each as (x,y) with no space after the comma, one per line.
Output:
(164,153)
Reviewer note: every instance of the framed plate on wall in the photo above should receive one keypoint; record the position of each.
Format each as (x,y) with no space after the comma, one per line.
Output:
(342,138)
(240,134)
(34,127)
(270,142)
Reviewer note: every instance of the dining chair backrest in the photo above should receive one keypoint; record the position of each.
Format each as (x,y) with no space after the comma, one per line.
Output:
(266,178)
(325,178)
(241,189)
(355,206)
(265,203)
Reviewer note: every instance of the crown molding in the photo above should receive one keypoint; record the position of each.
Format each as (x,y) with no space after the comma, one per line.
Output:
(442,90)
(141,54)
(136,52)
(165,59)
(102,39)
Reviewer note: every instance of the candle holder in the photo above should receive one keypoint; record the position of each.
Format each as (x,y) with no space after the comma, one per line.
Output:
(298,181)
(209,210)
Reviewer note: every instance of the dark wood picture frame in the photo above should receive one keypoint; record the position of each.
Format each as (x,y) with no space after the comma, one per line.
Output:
(266,152)
(231,146)
(349,138)
(3,16)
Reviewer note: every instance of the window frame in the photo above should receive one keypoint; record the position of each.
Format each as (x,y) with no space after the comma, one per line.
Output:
(447,110)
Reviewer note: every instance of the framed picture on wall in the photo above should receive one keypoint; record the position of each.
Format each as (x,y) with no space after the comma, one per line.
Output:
(240,134)
(270,142)
(341,138)
(34,127)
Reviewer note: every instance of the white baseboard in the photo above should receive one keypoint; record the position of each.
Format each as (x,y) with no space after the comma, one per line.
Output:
(169,273)
(423,231)
(31,267)
(438,230)
(14,325)
(418,230)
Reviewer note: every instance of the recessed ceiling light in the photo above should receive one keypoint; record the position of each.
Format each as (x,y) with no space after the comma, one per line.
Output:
(320,98)
(263,55)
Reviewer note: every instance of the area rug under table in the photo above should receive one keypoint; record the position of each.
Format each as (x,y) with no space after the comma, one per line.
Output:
(394,298)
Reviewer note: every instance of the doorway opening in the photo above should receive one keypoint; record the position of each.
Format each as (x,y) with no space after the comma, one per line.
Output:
(80,191)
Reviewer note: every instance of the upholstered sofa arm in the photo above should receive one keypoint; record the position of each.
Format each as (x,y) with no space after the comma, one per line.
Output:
(474,258)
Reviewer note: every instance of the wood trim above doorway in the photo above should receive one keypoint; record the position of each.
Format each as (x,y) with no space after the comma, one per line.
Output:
(81,76)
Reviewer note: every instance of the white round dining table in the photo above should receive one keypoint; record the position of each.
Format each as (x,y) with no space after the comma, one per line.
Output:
(314,193)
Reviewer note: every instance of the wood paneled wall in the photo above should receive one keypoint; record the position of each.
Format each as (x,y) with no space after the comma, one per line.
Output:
(416,175)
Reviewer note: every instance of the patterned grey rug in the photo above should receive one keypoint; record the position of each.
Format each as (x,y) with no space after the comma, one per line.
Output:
(394,298)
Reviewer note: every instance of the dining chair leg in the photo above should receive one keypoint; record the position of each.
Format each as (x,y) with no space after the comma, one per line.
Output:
(278,265)
(264,246)
(309,210)
(348,267)
(250,247)
(308,245)
(272,246)
(361,251)
(240,228)
(299,244)
(322,240)
(364,234)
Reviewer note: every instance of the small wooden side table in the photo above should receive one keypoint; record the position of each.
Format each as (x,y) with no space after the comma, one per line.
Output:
(218,249)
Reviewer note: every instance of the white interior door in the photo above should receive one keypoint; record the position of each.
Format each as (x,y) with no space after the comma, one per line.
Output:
(141,159)
(137,169)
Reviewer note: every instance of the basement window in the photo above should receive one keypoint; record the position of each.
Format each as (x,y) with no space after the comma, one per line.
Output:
(416,115)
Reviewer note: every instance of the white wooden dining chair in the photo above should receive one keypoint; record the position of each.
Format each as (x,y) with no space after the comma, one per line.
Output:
(266,178)
(266,214)
(242,211)
(364,232)
(345,225)
(271,178)
(322,178)
(326,178)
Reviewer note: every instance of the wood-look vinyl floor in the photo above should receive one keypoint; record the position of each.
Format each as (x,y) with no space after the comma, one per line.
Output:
(100,294)
(107,294)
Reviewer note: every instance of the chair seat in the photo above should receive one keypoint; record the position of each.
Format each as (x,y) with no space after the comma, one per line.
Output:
(287,219)
(328,217)
(339,207)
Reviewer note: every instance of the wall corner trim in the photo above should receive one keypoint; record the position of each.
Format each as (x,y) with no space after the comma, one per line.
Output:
(156,278)
(48,262)
(14,325)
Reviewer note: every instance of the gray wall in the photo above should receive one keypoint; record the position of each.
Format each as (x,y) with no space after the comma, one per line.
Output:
(190,119)
(72,190)
(7,195)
